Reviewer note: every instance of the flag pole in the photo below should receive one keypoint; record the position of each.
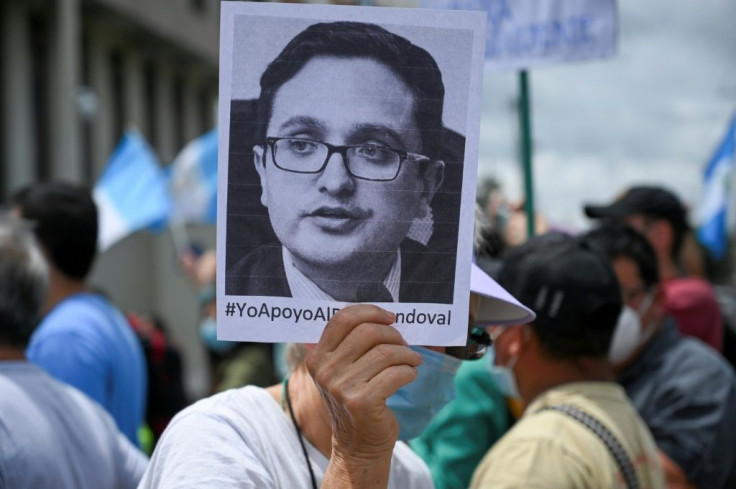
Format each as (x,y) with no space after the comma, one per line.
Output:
(525,127)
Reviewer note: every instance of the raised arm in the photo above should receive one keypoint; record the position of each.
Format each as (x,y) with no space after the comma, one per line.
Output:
(358,363)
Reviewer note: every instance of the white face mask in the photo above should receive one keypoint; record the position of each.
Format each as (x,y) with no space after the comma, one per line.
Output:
(503,375)
(629,333)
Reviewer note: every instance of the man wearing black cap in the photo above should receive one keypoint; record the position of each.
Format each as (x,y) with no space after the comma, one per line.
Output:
(660,216)
(579,429)
(683,390)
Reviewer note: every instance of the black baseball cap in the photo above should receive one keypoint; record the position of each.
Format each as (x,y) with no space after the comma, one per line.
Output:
(572,289)
(650,201)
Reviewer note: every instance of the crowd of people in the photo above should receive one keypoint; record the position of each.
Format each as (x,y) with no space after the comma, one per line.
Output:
(602,386)
(591,361)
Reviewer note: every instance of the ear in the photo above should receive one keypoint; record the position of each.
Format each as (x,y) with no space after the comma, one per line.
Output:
(259,161)
(434,174)
(518,340)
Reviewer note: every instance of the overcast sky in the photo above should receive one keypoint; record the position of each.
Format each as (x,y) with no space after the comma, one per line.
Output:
(652,114)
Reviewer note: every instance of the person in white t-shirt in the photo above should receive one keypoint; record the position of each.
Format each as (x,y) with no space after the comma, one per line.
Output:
(335,421)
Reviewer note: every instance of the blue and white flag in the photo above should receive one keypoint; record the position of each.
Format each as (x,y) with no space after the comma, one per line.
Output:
(131,193)
(522,34)
(193,181)
(713,210)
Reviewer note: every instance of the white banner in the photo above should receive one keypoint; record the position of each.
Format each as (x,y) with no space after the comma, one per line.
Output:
(527,33)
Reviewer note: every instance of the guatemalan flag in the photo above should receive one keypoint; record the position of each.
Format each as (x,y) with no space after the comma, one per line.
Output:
(193,181)
(713,223)
(131,194)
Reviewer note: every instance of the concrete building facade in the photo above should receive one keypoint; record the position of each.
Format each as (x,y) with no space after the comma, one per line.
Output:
(75,75)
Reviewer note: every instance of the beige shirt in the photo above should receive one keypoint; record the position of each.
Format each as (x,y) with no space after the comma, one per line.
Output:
(551,450)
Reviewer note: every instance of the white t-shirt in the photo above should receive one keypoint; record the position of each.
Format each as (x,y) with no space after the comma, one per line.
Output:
(52,435)
(242,439)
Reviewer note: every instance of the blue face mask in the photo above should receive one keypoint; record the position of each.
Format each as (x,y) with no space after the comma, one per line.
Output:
(208,334)
(416,403)
(502,375)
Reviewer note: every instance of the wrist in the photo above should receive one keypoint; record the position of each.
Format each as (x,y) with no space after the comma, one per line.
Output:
(351,468)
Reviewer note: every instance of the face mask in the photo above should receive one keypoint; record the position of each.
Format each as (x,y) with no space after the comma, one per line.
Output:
(503,375)
(416,403)
(629,334)
(208,334)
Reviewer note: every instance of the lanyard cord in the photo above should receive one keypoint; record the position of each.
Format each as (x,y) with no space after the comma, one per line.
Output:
(285,395)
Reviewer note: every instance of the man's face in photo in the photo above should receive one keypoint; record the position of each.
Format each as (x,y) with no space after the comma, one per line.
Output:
(331,217)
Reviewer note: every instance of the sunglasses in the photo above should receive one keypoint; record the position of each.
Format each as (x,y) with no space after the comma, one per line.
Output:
(478,341)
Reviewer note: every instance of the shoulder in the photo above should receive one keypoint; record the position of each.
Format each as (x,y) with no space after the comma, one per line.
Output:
(693,367)
(84,322)
(75,314)
(533,454)
(72,313)
(233,408)
(261,258)
(242,418)
(216,442)
(408,470)
(50,400)
(260,272)
(426,276)
(679,356)
(689,292)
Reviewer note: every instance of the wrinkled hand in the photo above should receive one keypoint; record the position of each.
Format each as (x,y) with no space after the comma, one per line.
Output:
(359,362)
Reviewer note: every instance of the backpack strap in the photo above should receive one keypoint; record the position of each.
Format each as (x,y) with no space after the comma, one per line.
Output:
(604,434)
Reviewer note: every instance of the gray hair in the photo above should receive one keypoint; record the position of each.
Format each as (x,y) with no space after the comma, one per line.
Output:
(295,353)
(23,283)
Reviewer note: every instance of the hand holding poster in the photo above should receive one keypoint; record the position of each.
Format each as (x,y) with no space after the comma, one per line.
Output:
(348,161)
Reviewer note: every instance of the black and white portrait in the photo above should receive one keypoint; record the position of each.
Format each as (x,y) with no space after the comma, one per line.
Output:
(345,159)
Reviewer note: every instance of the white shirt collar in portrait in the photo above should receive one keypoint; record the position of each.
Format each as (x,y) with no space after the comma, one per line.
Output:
(303,288)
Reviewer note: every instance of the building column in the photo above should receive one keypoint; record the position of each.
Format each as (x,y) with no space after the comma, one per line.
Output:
(65,123)
(134,98)
(17,99)
(166,149)
(192,126)
(100,81)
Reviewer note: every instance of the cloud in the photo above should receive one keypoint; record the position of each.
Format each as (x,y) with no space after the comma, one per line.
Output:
(653,114)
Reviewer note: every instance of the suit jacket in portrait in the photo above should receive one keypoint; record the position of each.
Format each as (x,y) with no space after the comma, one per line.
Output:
(425,276)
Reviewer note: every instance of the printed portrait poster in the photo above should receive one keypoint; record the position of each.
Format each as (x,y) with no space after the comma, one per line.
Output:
(347,160)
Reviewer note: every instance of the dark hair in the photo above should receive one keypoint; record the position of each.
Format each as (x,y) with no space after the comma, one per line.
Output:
(572,289)
(414,65)
(620,241)
(64,219)
(23,281)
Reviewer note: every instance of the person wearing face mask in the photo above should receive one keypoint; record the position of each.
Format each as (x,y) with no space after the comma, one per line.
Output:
(684,390)
(327,425)
(578,429)
(232,364)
